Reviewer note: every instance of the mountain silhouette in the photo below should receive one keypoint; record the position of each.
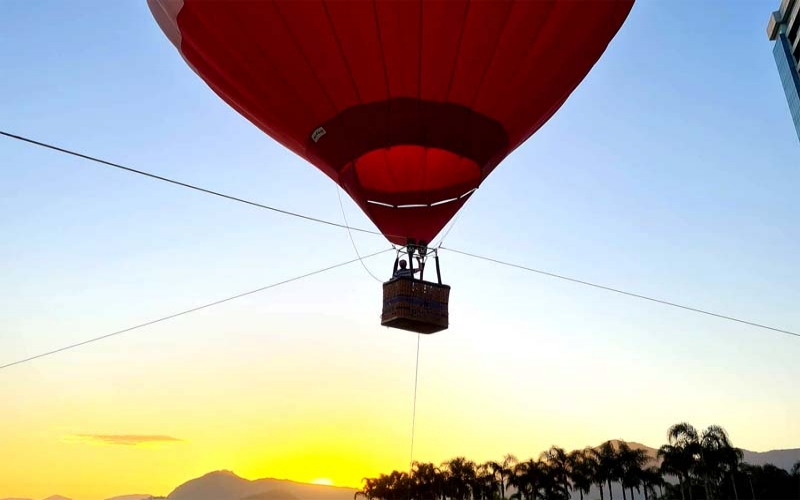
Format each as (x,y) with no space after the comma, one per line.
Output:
(272,495)
(131,497)
(226,485)
(217,485)
(54,497)
(779,458)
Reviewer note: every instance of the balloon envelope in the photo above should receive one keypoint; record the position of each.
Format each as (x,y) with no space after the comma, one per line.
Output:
(407,105)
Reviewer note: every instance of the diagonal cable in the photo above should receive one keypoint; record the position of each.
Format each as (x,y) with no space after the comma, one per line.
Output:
(623,292)
(350,234)
(184,184)
(183,313)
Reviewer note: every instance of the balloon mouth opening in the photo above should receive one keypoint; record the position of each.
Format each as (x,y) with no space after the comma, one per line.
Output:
(423,205)
(414,176)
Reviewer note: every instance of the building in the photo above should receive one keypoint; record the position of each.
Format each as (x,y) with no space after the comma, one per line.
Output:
(784,29)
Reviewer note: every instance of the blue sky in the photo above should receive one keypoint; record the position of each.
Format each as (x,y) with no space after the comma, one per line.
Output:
(671,171)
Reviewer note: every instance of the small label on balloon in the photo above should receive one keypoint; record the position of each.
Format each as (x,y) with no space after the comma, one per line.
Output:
(317,134)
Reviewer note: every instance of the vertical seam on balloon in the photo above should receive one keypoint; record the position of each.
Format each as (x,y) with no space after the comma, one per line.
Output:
(341,52)
(458,51)
(299,47)
(190,41)
(338,115)
(380,45)
(286,82)
(533,46)
(419,99)
(350,74)
(388,92)
(419,54)
(468,126)
(494,54)
(572,85)
(516,75)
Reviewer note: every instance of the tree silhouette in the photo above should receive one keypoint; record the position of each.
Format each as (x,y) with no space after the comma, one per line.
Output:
(606,468)
(506,471)
(426,481)
(557,467)
(652,479)
(581,471)
(630,463)
(705,465)
(460,479)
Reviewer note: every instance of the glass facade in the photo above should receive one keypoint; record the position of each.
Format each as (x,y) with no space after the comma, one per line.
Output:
(789,76)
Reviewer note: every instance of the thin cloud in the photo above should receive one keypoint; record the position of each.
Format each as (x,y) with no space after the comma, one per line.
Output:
(124,439)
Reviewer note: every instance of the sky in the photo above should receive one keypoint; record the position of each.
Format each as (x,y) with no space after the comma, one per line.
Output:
(671,171)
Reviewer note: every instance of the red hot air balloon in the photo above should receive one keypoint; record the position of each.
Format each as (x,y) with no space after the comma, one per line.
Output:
(408,105)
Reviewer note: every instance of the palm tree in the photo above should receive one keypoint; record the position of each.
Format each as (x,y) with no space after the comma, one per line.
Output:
(709,455)
(507,470)
(485,486)
(695,458)
(651,478)
(367,491)
(749,472)
(726,458)
(528,479)
(460,478)
(496,470)
(581,470)
(630,463)
(675,462)
(606,468)
(718,458)
(395,486)
(501,472)
(557,462)
(426,481)
(625,479)
(595,472)
(773,482)
(399,486)
(552,485)
(685,442)
(518,481)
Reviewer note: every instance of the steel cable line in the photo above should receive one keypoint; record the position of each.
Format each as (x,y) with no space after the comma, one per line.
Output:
(186,185)
(188,311)
(414,409)
(623,292)
(352,241)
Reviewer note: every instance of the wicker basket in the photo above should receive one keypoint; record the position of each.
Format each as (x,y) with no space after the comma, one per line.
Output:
(414,305)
